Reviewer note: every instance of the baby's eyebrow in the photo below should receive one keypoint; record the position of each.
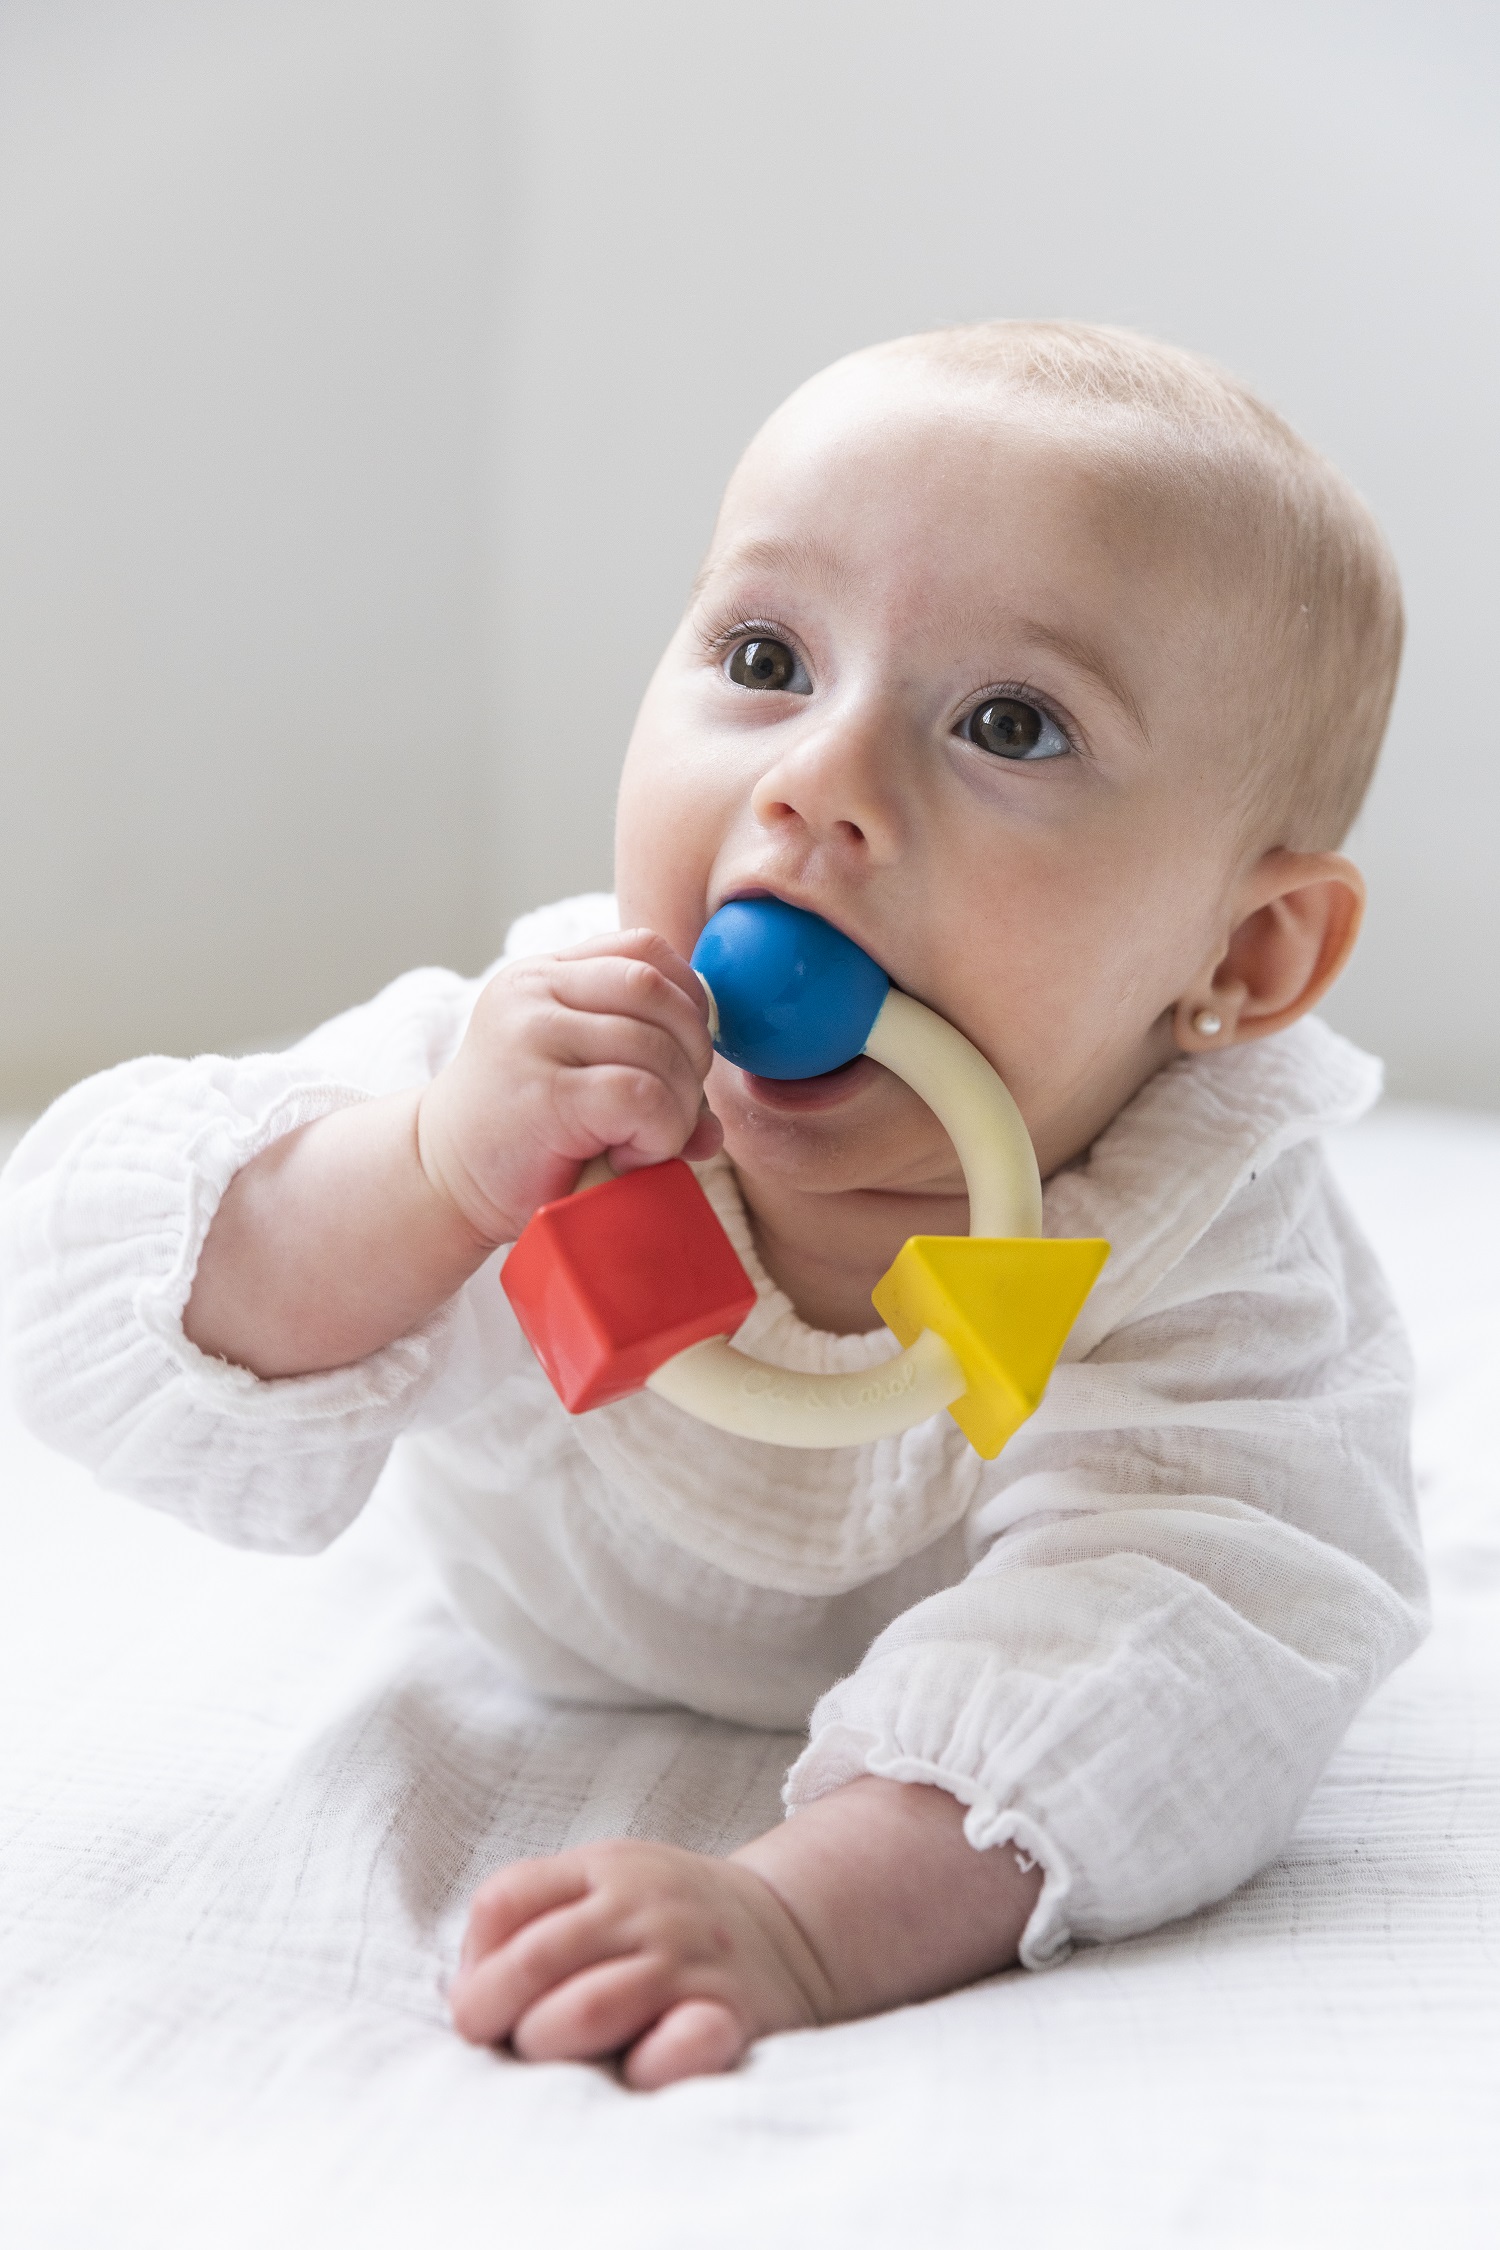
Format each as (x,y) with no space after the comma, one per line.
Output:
(1086,656)
(811,559)
(796,558)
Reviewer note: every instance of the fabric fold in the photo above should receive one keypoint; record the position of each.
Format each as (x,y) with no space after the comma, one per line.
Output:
(1126,1645)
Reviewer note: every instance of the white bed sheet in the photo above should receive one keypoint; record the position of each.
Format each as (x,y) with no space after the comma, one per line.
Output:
(243,1800)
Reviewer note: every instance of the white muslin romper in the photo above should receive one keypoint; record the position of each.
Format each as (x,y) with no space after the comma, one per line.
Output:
(1129,1644)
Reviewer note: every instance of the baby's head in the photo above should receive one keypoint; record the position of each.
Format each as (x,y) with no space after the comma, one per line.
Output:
(1052,667)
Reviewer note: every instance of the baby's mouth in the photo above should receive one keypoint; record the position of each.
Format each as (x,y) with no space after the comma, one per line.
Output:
(829,1088)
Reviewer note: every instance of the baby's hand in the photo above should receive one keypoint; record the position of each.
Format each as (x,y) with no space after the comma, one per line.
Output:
(601,1050)
(676,1960)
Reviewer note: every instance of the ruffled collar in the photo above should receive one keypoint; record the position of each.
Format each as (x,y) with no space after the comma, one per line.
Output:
(1162,1171)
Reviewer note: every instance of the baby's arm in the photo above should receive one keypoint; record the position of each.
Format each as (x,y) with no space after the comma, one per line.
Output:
(351,1231)
(870,1898)
(1184,1588)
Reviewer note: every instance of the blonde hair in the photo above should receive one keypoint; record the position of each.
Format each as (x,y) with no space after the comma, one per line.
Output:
(1310,555)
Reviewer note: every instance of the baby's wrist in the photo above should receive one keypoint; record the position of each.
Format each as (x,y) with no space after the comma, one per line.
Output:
(791,1909)
(891,1898)
(469,1216)
(423,1224)
(814,1996)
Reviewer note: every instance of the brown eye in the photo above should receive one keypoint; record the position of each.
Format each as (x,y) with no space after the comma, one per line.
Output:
(763,664)
(1011,729)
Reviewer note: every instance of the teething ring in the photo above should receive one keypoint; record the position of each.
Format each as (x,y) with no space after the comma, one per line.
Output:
(981,1317)
(971,1102)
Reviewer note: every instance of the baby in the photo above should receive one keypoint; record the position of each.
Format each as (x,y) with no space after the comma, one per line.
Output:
(1051,667)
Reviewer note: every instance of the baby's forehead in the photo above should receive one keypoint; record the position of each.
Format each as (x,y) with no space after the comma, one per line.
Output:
(897,476)
(1159,495)
(896,445)
(942,530)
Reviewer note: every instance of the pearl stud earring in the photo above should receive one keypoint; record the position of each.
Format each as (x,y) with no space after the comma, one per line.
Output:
(1207,1024)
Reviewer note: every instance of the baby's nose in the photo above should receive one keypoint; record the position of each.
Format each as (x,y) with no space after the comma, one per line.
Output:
(838,784)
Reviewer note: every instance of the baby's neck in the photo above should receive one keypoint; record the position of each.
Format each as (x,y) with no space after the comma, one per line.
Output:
(828,1250)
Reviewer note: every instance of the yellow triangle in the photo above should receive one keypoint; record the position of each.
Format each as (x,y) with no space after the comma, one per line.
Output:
(1004,1306)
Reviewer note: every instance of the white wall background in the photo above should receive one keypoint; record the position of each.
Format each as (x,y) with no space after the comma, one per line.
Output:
(246,257)
(374,366)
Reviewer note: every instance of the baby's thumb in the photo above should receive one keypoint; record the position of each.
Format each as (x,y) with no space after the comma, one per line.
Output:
(706,1138)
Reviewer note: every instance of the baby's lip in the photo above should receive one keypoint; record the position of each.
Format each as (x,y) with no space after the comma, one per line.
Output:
(738,891)
(825,1091)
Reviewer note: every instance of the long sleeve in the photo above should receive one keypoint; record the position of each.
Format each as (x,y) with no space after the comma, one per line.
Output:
(1129,1644)
(104,1209)
(1198,1560)
(103,1213)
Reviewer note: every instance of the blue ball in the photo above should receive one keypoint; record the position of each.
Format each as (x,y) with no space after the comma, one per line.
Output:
(795,996)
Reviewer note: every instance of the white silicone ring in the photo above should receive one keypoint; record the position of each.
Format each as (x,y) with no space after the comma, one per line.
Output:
(972,1103)
(750,1398)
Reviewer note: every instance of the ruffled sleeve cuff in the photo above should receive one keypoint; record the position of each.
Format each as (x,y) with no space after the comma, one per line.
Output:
(106,1206)
(887,1722)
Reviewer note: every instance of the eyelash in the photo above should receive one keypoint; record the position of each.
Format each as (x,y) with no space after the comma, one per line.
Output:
(718,642)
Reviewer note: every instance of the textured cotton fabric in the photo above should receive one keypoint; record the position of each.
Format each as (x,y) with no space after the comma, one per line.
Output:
(244,1801)
(1130,1644)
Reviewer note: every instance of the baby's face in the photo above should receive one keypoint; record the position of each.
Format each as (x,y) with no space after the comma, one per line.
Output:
(953,683)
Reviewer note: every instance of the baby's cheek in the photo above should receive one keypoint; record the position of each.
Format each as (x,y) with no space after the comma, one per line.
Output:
(663,892)
(666,840)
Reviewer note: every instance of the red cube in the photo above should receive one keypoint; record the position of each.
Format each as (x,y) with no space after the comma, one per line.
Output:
(611,1283)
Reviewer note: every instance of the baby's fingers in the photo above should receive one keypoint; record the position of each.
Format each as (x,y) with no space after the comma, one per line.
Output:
(632,1114)
(514,1896)
(489,1997)
(610,987)
(597,2012)
(654,952)
(692,2040)
(628,2003)
(653,984)
(619,1041)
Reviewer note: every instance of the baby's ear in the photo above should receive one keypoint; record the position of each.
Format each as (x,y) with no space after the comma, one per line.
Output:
(1295,917)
